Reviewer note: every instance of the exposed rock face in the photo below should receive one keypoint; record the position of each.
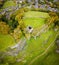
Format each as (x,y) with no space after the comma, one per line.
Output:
(57,50)
(57,42)
(36,3)
(29,1)
(55,0)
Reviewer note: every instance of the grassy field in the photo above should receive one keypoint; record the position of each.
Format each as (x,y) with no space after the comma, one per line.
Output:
(50,58)
(36,14)
(34,47)
(9,4)
(35,19)
(5,42)
(38,46)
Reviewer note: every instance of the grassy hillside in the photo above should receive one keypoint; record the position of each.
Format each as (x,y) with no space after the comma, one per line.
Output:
(35,47)
(8,4)
(35,19)
(50,58)
(5,41)
(44,43)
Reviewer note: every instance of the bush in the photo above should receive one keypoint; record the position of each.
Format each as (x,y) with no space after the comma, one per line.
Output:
(19,16)
(52,14)
(4,28)
(25,9)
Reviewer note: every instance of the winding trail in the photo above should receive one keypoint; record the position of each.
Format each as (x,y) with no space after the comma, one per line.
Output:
(32,61)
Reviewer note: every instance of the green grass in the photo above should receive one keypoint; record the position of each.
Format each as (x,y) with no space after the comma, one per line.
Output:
(34,22)
(36,14)
(5,42)
(8,4)
(34,47)
(38,46)
(50,58)
(34,19)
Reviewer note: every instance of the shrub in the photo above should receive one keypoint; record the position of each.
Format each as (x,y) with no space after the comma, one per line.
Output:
(19,16)
(25,9)
(52,14)
(4,28)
